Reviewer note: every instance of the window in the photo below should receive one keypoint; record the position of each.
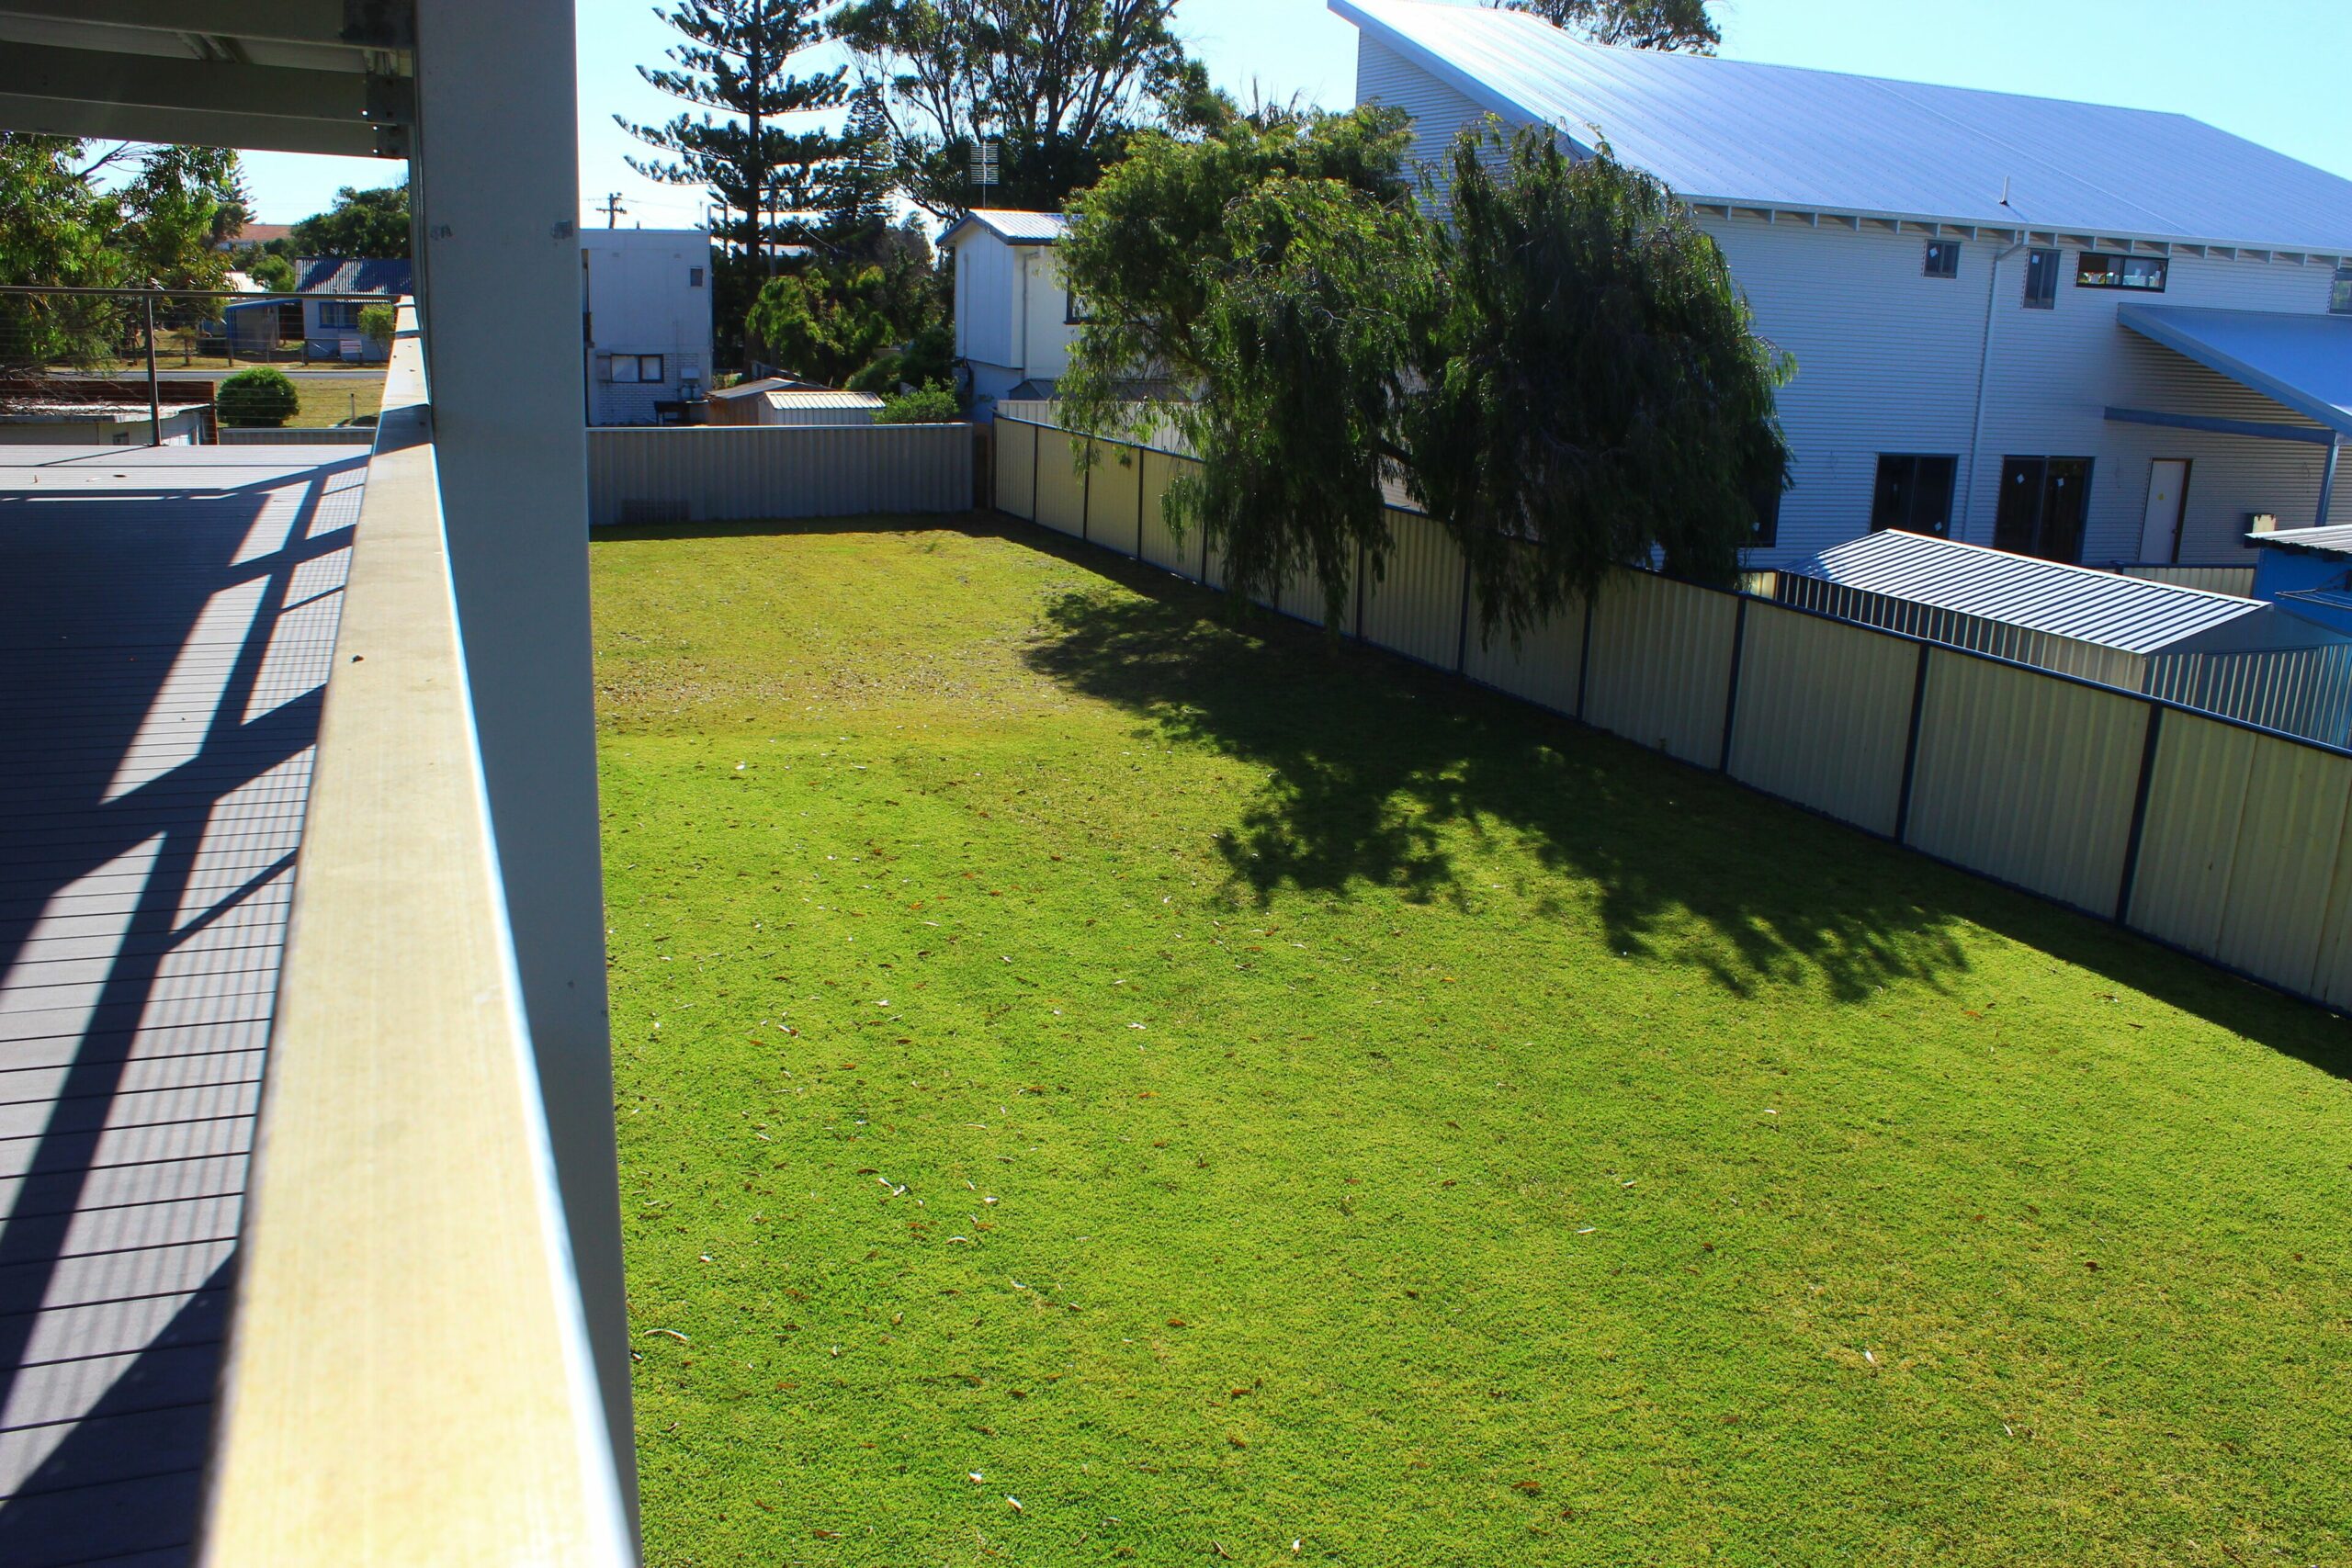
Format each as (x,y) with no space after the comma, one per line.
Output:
(2100,269)
(338,314)
(1943,258)
(2040,279)
(2339,296)
(2043,502)
(1072,314)
(636,367)
(1765,531)
(693,278)
(1913,493)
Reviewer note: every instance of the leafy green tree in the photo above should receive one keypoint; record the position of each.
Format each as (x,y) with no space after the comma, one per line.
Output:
(380,323)
(270,270)
(771,181)
(171,212)
(1671,25)
(934,402)
(54,230)
(828,323)
(256,399)
(928,356)
(1559,369)
(1062,84)
(362,223)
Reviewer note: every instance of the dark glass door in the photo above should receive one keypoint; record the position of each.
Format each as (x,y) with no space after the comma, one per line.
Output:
(2044,502)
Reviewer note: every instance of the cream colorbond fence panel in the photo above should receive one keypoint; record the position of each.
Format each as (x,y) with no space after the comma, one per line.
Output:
(1157,543)
(1416,607)
(2240,860)
(1824,715)
(1114,497)
(1661,664)
(1302,599)
(1540,669)
(1061,489)
(2027,779)
(1016,467)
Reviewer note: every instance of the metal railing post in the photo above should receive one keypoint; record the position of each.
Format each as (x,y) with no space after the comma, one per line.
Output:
(154,395)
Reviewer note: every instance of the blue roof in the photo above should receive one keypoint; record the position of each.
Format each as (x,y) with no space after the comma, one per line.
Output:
(338,275)
(2105,608)
(2304,362)
(1775,136)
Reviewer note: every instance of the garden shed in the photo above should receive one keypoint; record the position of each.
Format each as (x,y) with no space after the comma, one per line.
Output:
(2235,657)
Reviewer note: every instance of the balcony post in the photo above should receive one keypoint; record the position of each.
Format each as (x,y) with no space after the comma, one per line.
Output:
(495,200)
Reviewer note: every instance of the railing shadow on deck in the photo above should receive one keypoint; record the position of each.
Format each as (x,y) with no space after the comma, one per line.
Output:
(162,705)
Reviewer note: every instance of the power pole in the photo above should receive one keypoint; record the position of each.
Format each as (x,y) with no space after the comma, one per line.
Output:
(612,210)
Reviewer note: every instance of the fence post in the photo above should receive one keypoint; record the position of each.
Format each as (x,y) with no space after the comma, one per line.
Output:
(1360,558)
(1584,655)
(1911,746)
(1086,495)
(2138,815)
(1462,633)
(1731,687)
(154,396)
(1143,456)
(1036,457)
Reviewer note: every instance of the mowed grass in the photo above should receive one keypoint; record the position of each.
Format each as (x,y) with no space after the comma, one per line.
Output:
(1247,1100)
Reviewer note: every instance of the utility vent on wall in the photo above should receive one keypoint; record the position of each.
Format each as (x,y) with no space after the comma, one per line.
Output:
(639,509)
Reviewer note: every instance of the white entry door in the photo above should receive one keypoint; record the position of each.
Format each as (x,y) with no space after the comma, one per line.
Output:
(2167,494)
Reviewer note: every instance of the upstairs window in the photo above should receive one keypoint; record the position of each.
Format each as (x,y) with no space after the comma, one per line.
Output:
(2103,269)
(1942,259)
(1913,493)
(2040,279)
(2339,296)
(637,368)
(693,278)
(1764,532)
(1073,313)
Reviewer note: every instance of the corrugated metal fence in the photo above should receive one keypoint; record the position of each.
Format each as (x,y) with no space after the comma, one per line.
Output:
(2211,835)
(721,473)
(339,436)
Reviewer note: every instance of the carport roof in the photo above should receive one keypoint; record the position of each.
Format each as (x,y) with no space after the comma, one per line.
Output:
(2304,362)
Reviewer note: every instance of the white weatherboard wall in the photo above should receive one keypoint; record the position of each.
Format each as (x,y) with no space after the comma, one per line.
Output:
(648,292)
(1012,313)
(1887,361)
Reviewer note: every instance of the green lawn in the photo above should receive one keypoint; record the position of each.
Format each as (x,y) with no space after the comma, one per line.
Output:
(1247,1098)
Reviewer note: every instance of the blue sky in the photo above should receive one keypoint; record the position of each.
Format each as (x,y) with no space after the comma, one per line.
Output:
(2266,70)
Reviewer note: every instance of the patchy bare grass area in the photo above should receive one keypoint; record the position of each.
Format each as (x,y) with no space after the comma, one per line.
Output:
(1100,1081)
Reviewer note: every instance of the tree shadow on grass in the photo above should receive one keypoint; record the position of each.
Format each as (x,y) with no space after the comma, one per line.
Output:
(1378,771)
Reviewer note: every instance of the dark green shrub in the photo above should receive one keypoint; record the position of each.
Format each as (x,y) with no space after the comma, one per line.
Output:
(378,323)
(256,399)
(933,404)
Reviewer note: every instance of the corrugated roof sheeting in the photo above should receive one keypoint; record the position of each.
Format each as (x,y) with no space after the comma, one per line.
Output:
(1781,137)
(2333,541)
(1013,227)
(2128,613)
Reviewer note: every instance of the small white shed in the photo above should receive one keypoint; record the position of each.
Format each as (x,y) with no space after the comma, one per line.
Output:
(825,407)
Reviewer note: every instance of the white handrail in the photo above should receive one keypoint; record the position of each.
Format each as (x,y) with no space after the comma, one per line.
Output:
(408,1378)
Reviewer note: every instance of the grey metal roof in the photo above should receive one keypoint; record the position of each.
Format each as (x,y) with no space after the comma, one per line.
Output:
(2304,362)
(340,275)
(2336,540)
(1013,227)
(2112,611)
(825,398)
(1724,131)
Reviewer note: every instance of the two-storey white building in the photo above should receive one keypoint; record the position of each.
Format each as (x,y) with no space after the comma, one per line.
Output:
(645,295)
(1015,320)
(2091,333)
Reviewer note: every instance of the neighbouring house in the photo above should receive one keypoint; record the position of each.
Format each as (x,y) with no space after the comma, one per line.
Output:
(65,411)
(2088,333)
(2215,651)
(256,234)
(2306,572)
(327,324)
(646,293)
(1015,319)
